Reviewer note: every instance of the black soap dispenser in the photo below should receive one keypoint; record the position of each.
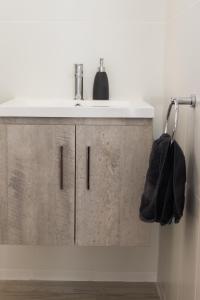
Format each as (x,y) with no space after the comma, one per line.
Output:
(101,85)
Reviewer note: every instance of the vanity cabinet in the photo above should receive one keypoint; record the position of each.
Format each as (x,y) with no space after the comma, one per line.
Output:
(73,181)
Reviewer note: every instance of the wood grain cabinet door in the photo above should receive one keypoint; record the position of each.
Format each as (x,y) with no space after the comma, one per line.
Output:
(110,173)
(3,184)
(41,184)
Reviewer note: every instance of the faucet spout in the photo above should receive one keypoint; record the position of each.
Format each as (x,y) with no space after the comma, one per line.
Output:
(78,82)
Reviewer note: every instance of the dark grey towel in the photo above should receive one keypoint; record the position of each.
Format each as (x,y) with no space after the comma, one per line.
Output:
(164,192)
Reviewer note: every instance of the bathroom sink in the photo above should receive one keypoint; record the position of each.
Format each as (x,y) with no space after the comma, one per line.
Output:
(24,107)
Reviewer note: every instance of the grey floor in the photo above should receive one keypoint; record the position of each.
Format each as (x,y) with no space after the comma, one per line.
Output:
(42,290)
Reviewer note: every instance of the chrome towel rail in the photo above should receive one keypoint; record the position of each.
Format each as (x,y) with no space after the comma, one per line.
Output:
(176,102)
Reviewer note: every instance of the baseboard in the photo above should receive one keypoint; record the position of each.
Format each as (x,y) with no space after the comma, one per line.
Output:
(60,275)
(160,291)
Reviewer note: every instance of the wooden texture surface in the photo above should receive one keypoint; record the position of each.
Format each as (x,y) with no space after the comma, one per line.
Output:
(107,214)
(34,211)
(77,291)
(39,213)
(75,121)
(3,184)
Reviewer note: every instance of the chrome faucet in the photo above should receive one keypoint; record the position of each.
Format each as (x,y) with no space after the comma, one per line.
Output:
(78,82)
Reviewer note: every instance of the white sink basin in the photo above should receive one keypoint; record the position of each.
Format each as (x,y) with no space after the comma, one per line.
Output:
(20,107)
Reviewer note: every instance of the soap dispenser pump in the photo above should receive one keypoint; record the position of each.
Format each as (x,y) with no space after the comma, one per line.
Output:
(101,85)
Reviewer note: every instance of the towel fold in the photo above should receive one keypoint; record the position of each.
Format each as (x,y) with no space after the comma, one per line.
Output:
(163,198)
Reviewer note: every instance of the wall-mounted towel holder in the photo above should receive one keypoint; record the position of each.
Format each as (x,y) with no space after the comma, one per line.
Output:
(176,102)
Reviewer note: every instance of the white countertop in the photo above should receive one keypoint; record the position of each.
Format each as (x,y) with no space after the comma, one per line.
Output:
(63,108)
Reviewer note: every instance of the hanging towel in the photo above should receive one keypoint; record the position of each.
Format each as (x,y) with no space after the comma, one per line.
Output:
(164,192)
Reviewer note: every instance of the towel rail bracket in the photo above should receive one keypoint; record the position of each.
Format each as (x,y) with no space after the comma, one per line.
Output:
(191,100)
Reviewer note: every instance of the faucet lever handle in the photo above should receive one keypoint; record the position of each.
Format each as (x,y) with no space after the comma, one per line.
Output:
(78,69)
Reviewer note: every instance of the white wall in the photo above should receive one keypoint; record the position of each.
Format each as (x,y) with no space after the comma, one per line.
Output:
(179,263)
(40,40)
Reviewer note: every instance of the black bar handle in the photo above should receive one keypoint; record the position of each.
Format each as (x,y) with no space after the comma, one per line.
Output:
(61,168)
(88,167)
